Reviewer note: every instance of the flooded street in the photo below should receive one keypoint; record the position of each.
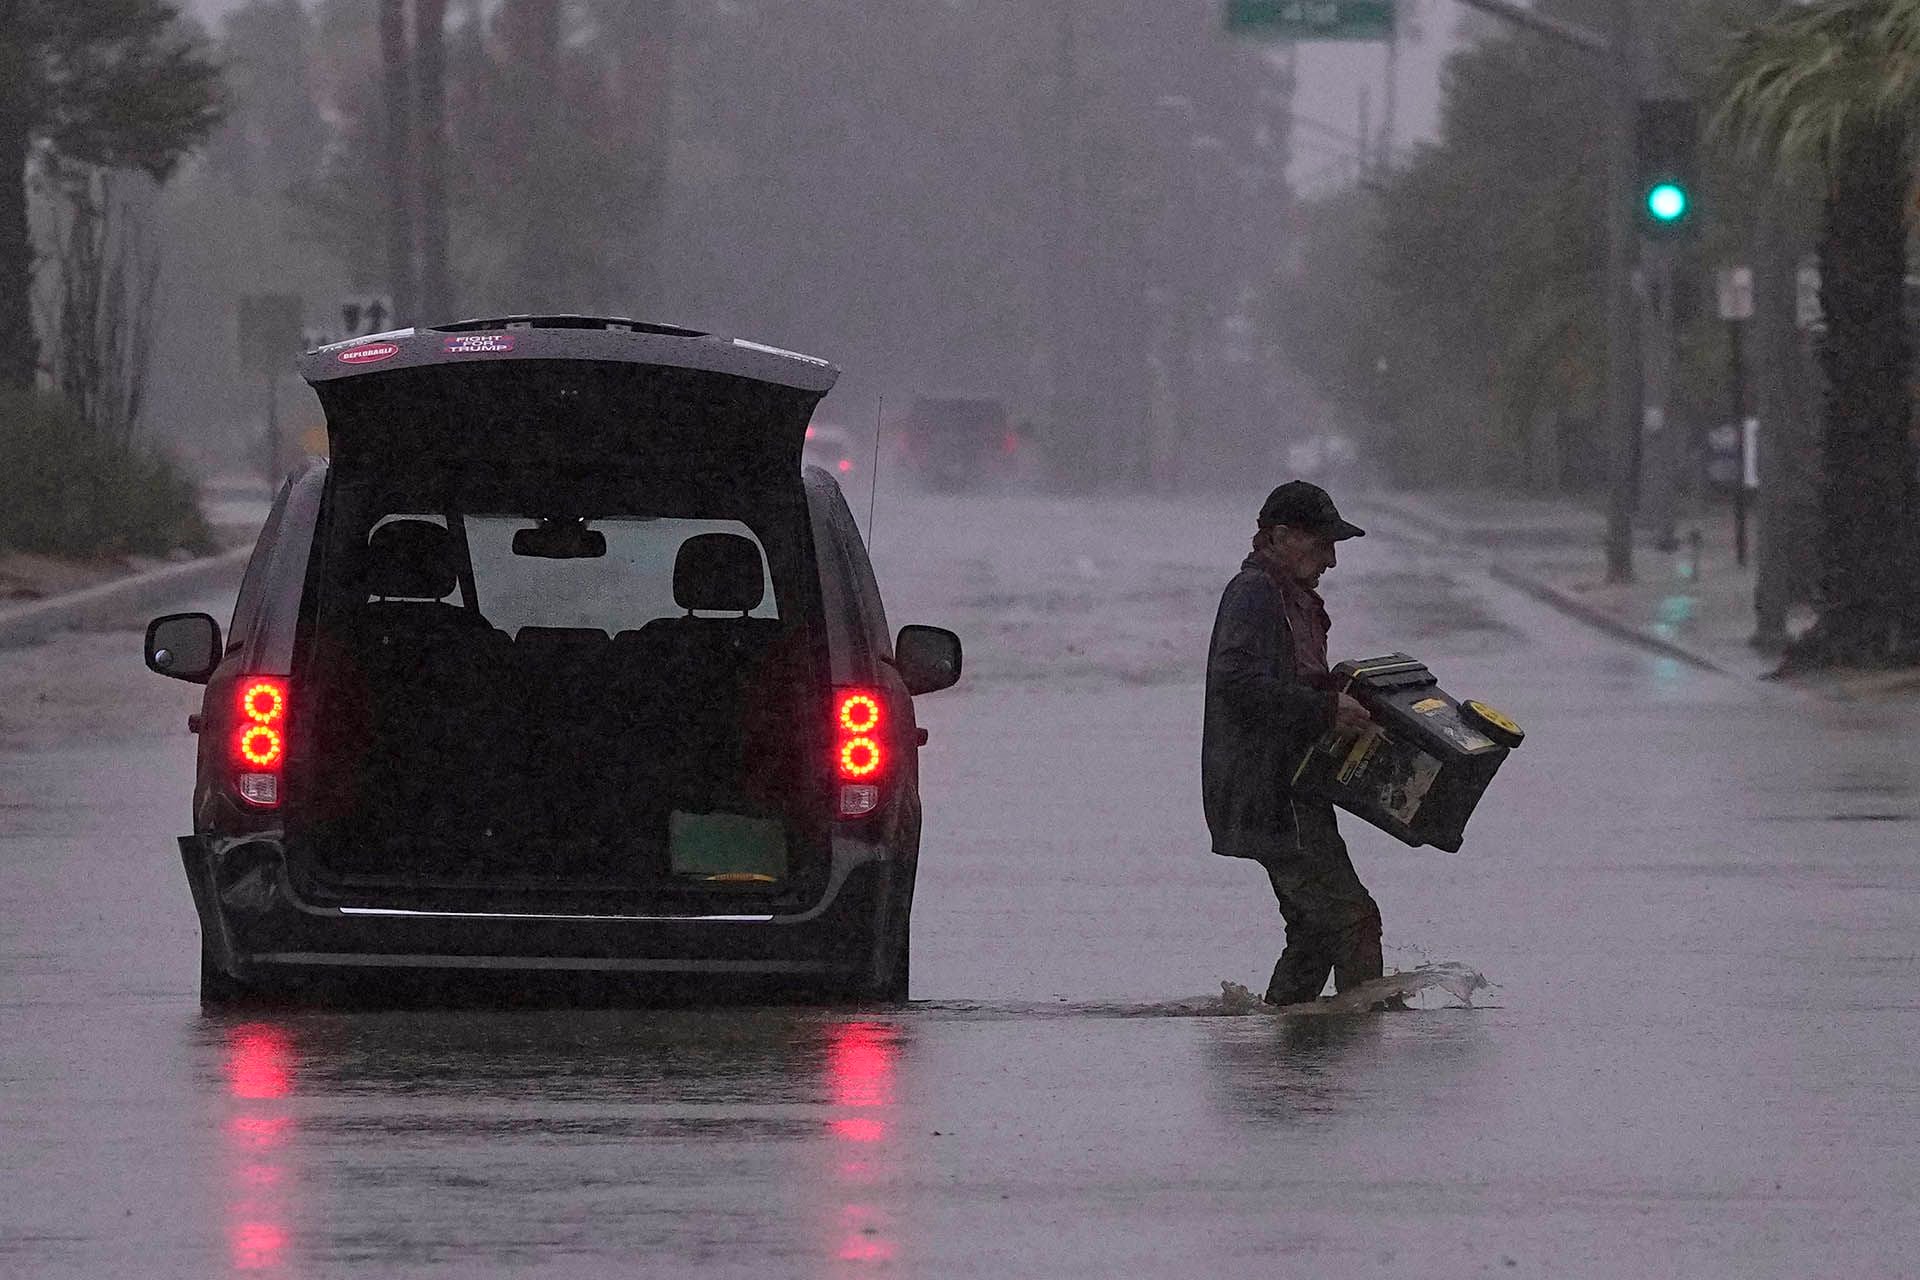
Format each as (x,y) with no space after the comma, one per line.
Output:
(1697,901)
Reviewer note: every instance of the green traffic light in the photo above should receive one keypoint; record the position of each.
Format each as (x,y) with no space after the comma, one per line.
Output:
(1667,202)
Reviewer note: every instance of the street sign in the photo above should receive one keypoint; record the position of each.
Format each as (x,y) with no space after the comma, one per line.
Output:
(1736,293)
(1312,19)
(361,316)
(1806,309)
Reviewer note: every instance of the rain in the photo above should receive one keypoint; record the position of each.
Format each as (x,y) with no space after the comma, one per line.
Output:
(698,545)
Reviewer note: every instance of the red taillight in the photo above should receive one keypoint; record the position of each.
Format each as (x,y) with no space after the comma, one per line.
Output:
(859,713)
(259,746)
(859,750)
(260,739)
(859,758)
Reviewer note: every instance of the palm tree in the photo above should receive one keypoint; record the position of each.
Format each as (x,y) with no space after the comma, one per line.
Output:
(1834,86)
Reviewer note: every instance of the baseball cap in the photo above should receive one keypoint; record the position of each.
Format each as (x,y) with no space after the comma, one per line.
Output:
(1307,506)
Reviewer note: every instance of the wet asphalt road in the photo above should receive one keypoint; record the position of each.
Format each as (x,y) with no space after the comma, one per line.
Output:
(1696,898)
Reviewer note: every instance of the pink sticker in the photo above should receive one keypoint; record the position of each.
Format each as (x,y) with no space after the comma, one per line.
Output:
(475,344)
(369,355)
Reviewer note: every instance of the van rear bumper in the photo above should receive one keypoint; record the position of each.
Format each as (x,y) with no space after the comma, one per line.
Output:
(259,929)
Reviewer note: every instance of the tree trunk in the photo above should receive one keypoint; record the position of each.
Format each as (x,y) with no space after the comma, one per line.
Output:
(1868,611)
(430,69)
(545,272)
(398,157)
(19,351)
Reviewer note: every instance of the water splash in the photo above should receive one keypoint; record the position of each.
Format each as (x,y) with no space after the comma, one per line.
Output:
(1456,980)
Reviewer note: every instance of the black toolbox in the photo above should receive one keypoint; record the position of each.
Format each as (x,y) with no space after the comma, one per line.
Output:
(1418,772)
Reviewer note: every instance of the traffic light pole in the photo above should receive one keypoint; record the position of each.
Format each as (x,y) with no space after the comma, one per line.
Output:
(1623,416)
(1656,476)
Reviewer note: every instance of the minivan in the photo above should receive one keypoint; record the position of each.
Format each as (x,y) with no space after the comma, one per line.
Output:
(560,664)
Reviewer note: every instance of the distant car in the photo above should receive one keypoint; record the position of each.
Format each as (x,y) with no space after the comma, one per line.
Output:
(959,443)
(831,448)
(559,665)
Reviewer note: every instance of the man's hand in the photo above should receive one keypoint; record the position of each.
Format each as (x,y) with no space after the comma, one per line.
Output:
(1349,716)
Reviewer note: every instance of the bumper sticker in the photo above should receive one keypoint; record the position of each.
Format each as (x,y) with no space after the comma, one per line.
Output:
(369,355)
(477,344)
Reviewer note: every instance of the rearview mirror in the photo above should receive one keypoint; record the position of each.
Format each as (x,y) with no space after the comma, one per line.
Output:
(185,646)
(560,540)
(928,658)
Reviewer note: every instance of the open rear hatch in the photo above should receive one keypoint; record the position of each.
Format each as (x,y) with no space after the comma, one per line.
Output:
(564,636)
(569,397)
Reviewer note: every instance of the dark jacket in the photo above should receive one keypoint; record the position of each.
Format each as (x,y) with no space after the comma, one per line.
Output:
(1260,719)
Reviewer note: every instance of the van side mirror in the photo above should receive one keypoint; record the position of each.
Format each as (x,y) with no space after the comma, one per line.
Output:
(928,658)
(185,646)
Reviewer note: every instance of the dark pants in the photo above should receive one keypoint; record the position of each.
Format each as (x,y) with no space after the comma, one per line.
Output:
(1333,923)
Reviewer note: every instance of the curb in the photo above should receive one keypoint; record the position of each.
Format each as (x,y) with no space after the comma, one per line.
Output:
(1600,619)
(1422,523)
(1550,595)
(110,602)
(1491,536)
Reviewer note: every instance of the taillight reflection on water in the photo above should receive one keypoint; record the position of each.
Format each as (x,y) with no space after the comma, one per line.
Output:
(860,1085)
(260,1069)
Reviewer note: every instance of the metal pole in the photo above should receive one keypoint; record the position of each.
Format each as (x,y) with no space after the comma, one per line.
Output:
(1389,119)
(1543,24)
(1064,265)
(1366,134)
(1737,392)
(1659,473)
(273,430)
(1623,371)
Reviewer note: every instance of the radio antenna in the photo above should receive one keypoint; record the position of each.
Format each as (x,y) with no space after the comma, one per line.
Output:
(873,483)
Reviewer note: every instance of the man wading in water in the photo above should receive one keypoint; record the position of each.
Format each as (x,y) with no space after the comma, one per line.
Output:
(1269,697)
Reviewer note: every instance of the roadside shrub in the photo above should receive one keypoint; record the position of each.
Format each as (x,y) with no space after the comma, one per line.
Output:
(66,491)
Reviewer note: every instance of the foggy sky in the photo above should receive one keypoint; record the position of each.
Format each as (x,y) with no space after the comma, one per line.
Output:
(1332,80)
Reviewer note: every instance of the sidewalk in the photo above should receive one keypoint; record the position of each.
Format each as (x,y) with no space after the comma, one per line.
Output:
(1694,604)
(42,596)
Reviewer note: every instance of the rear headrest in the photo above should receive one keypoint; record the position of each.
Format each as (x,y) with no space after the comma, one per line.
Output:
(718,571)
(410,560)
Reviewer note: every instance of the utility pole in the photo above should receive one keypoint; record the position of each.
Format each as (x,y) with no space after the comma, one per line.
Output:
(1389,121)
(1365,122)
(1064,373)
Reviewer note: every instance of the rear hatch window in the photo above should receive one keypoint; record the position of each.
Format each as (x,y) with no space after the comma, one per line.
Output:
(566,637)
(636,717)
